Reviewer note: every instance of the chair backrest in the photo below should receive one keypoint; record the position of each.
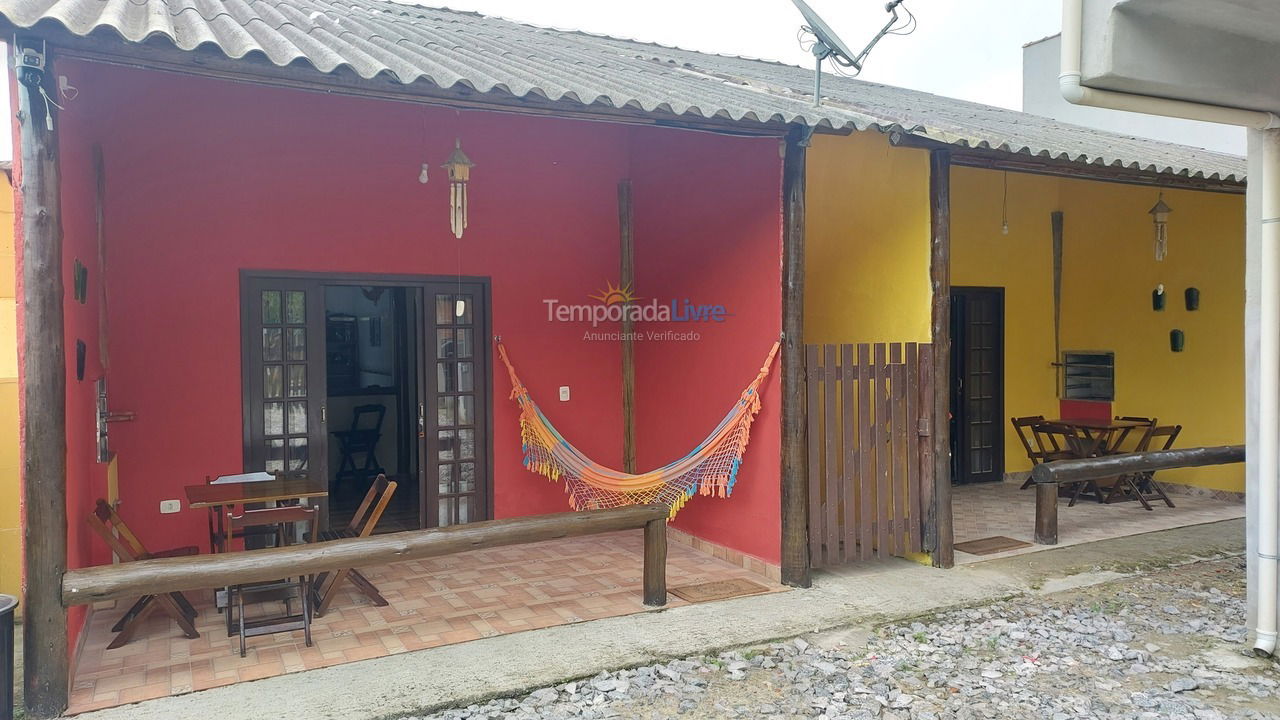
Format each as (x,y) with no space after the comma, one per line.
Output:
(1162,438)
(1024,425)
(106,522)
(368,417)
(274,516)
(371,508)
(1065,438)
(1143,434)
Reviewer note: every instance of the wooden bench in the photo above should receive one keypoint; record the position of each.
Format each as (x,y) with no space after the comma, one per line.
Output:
(149,577)
(1048,476)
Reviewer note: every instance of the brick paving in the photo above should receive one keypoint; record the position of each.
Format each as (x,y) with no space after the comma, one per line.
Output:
(990,509)
(436,601)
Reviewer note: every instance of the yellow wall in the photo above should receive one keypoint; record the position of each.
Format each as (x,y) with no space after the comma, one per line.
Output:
(867,280)
(866,241)
(10,532)
(1109,271)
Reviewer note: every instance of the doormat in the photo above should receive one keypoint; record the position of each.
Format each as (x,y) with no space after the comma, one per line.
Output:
(718,590)
(988,546)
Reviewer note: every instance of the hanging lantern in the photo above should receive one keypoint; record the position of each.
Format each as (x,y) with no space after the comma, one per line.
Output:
(459,168)
(1160,216)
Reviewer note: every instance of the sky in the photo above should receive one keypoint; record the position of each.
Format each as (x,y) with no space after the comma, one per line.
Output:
(969,49)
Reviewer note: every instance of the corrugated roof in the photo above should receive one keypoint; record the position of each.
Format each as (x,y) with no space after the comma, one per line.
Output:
(446,48)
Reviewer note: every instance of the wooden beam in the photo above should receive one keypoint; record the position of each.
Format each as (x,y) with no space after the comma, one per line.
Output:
(1055,226)
(44,399)
(1046,532)
(1099,468)
(655,562)
(149,577)
(626,280)
(988,159)
(939,520)
(795,467)
(1048,476)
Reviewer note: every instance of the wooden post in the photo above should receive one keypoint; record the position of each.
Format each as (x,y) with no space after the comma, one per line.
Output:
(1046,514)
(939,528)
(44,401)
(795,470)
(1055,224)
(626,280)
(655,562)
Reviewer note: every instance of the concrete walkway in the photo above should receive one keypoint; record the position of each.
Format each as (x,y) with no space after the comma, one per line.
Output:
(461,674)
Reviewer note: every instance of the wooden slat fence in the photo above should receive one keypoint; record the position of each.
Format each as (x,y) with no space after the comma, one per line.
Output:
(870,458)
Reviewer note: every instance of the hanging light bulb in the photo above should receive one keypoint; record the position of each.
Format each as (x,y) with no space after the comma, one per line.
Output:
(422,176)
(459,307)
(459,167)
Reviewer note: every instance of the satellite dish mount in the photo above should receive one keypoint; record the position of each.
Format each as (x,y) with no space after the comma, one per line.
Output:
(829,45)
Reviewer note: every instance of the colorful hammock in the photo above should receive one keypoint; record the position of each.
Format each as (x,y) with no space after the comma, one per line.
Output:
(711,469)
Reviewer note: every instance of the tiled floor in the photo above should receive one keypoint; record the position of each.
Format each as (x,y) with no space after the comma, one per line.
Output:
(988,509)
(433,602)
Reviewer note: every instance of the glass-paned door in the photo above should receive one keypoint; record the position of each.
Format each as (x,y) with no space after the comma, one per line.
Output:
(977,393)
(283,375)
(454,416)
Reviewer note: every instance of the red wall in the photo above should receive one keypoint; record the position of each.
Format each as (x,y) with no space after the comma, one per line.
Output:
(206,178)
(708,229)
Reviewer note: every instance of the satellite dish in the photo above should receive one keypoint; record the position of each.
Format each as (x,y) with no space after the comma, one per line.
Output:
(829,45)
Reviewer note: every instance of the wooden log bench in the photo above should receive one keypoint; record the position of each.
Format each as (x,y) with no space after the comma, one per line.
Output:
(149,577)
(1048,476)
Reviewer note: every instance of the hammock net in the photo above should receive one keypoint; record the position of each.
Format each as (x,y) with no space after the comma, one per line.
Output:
(710,469)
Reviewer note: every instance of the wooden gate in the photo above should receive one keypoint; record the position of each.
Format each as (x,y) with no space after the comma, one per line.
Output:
(870,456)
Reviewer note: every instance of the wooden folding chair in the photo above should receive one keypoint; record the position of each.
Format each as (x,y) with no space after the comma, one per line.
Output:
(1117,444)
(362,525)
(1142,486)
(281,521)
(1045,448)
(106,522)
(1071,443)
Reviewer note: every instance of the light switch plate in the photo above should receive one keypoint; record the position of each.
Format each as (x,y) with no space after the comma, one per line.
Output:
(170,506)
(564,393)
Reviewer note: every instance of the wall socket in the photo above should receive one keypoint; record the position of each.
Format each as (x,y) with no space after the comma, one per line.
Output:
(564,393)
(170,506)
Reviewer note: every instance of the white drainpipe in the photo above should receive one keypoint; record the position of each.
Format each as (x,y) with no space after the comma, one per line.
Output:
(1267,457)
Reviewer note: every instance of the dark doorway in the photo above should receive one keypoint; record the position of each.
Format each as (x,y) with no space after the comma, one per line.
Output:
(371,360)
(347,377)
(977,386)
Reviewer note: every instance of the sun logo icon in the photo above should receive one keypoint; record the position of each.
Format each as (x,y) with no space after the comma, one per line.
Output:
(615,294)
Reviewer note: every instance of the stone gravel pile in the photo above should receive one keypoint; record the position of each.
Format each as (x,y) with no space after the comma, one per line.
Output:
(1170,646)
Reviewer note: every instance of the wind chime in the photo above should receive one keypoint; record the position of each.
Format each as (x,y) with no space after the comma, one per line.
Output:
(1160,216)
(459,168)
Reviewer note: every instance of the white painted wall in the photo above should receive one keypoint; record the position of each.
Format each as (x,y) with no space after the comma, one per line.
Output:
(1040,96)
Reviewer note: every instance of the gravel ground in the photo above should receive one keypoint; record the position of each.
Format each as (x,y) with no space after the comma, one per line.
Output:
(1167,645)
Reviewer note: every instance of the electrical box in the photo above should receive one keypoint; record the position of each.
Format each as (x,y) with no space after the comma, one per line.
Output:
(564,393)
(170,506)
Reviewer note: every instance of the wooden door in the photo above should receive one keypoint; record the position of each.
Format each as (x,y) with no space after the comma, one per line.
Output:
(455,416)
(283,365)
(977,391)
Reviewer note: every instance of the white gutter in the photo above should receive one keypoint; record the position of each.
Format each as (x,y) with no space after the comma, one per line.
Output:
(1268,454)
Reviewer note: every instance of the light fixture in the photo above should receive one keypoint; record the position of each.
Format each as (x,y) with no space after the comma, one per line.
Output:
(459,167)
(1160,216)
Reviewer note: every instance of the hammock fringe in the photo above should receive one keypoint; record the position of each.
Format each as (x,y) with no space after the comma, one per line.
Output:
(711,469)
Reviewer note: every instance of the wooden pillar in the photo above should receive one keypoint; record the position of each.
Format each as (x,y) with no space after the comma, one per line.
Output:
(1046,514)
(795,469)
(44,391)
(939,520)
(655,562)
(626,280)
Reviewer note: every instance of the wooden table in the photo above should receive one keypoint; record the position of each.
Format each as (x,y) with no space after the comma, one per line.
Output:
(1104,436)
(217,497)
